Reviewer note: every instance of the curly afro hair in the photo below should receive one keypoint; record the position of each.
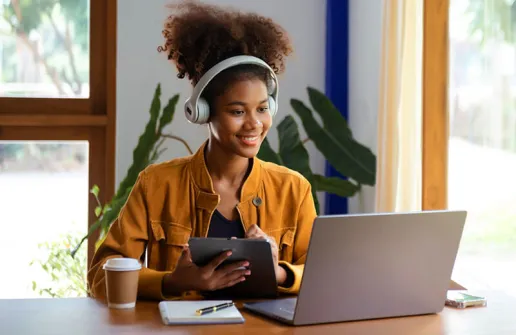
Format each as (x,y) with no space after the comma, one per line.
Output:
(198,36)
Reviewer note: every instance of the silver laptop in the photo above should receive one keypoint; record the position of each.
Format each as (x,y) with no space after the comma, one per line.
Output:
(371,266)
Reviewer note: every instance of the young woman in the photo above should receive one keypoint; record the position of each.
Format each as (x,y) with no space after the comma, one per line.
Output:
(222,190)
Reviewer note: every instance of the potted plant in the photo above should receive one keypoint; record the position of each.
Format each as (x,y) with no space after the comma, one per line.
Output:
(333,139)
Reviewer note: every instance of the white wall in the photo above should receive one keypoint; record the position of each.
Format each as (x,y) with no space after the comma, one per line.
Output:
(365,34)
(140,67)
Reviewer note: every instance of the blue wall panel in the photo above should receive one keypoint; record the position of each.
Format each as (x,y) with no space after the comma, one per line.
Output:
(337,28)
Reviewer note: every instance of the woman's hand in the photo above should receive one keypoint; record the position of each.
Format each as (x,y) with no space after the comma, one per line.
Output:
(255,232)
(188,276)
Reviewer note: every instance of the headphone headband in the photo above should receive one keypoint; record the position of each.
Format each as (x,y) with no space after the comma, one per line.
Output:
(196,109)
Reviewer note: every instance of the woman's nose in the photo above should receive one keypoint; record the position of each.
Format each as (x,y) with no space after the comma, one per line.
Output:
(253,122)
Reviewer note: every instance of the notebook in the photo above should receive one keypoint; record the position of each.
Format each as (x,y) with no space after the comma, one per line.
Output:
(183,312)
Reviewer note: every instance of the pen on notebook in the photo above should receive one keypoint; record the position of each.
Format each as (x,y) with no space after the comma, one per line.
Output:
(211,309)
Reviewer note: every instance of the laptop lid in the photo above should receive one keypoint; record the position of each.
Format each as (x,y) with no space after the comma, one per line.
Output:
(369,266)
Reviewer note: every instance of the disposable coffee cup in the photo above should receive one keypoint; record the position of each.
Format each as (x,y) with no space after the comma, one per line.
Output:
(122,282)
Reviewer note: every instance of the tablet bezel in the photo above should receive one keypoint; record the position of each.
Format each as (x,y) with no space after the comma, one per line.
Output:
(261,283)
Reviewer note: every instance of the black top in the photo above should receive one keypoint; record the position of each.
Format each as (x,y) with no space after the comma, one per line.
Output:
(222,227)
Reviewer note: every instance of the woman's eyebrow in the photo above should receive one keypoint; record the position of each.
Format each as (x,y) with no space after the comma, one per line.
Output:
(241,103)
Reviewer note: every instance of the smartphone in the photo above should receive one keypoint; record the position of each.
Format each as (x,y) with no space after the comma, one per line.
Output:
(462,300)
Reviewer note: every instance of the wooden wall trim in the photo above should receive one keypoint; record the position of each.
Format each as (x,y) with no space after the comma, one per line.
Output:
(103,142)
(435,105)
(112,9)
(55,120)
(435,108)
(33,106)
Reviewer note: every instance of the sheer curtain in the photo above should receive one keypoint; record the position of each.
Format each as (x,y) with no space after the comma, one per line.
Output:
(399,115)
(399,170)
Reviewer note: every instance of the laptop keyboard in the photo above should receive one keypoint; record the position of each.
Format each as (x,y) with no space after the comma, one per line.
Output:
(280,309)
(284,308)
(289,305)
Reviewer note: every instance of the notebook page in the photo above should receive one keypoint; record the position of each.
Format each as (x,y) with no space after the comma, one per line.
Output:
(183,312)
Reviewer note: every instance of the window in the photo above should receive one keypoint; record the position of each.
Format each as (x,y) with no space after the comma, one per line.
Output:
(57,128)
(469,151)
(482,138)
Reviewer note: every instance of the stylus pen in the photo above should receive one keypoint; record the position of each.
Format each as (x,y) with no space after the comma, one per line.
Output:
(214,308)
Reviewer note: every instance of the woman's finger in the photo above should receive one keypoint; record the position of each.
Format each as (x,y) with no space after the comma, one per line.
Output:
(186,256)
(217,261)
(232,282)
(236,274)
(254,231)
(229,268)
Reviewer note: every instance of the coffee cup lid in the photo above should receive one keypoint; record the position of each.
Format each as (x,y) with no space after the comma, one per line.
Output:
(122,264)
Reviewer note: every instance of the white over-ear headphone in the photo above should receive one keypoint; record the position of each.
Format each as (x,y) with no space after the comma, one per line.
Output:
(197,109)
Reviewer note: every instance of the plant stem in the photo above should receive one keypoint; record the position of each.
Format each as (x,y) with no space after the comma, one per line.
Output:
(98,200)
(177,138)
(306,140)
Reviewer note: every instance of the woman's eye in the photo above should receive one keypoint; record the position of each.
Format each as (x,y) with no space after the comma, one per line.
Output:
(263,109)
(237,112)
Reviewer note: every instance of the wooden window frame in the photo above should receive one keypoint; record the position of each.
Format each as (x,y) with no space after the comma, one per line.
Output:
(92,119)
(435,105)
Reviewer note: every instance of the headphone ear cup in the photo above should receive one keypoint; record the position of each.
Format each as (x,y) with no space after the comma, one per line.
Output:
(273,108)
(203,111)
(190,113)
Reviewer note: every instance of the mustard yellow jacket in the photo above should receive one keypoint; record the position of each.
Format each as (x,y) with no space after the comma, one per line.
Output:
(173,201)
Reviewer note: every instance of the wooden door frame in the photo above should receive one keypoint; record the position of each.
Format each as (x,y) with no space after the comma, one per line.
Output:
(435,108)
(104,104)
(435,105)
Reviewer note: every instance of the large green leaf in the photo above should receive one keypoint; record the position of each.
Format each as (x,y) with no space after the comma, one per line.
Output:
(338,128)
(346,155)
(168,113)
(267,154)
(331,117)
(292,153)
(335,185)
(291,150)
(146,141)
(166,118)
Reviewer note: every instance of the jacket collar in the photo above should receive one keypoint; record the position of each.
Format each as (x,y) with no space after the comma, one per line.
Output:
(208,198)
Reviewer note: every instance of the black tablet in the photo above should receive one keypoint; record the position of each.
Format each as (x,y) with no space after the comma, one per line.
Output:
(261,283)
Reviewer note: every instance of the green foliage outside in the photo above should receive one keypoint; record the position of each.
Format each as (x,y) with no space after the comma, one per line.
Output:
(493,23)
(65,276)
(62,27)
(492,20)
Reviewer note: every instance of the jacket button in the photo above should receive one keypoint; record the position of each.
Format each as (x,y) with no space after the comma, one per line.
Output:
(257,201)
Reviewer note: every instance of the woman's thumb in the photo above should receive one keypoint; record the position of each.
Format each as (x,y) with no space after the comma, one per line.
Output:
(186,257)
